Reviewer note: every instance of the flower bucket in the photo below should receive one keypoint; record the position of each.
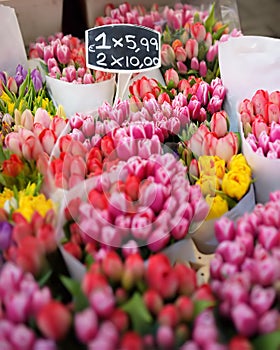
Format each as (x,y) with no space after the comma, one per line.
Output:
(37,18)
(83,98)
(204,235)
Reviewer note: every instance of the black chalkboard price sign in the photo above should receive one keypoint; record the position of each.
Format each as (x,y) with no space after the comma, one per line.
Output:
(122,48)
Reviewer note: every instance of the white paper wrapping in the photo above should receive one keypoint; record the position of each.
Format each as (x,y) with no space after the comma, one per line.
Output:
(36,18)
(204,236)
(11,42)
(247,64)
(82,98)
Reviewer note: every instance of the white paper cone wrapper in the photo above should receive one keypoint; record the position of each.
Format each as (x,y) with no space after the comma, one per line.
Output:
(247,64)
(11,42)
(204,236)
(37,18)
(83,98)
(75,268)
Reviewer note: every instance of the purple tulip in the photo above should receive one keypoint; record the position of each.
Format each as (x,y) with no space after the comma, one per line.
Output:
(5,235)
(37,79)
(20,74)
(3,77)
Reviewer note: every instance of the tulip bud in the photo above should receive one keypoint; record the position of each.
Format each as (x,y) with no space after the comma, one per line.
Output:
(203,69)
(86,325)
(191,48)
(245,319)
(63,54)
(54,320)
(219,123)
(198,31)
(167,55)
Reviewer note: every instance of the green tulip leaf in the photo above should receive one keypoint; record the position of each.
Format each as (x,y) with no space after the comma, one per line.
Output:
(201,305)
(74,287)
(211,20)
(269,341)
(140,317)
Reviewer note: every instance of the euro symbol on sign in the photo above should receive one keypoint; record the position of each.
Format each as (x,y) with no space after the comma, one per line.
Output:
(91,48)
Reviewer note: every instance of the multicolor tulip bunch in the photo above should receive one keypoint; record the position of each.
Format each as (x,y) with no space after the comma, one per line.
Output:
(128,303)
(24,90)
(142,205)
(93,146)
(34,136)
(192,49)
(245,271)
(260,118)
(28,231)
(64,58)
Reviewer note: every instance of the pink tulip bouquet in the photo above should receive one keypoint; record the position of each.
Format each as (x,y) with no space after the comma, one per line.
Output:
(141,205)
(31,318)
(260,118)
(245,273)
(192,48)
(64,59)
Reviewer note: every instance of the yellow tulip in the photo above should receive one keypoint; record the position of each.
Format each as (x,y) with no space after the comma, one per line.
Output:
(235,184)
(208,184)
(218,206)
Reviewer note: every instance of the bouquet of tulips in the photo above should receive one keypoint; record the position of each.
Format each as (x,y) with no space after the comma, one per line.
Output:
(140,205)
(64,59)
(24,90)
(222,183)
(245,274)
(125,303)
(260,118)
(191,45)
(193,98)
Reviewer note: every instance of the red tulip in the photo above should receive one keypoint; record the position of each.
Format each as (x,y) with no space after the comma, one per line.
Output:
(54,320)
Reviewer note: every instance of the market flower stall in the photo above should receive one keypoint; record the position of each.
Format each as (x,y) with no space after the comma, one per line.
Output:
(139,182)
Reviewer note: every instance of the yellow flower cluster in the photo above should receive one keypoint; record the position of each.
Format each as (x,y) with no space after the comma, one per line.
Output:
(26,202)
(223,185)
